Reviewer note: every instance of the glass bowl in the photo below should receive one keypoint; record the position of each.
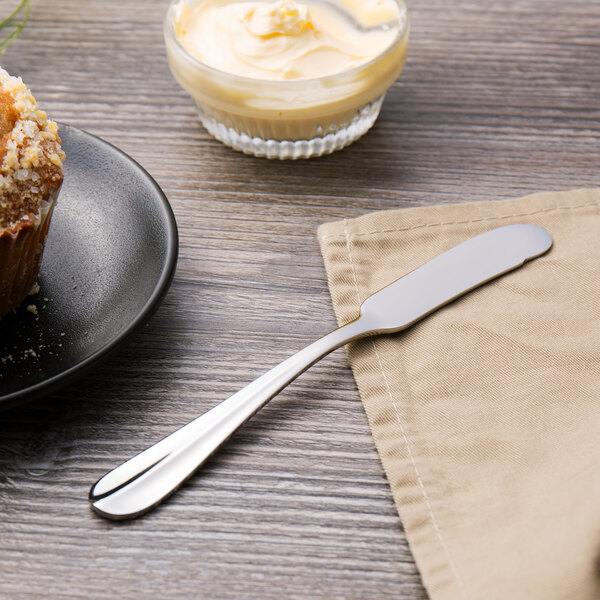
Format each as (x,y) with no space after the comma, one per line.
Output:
(287,119)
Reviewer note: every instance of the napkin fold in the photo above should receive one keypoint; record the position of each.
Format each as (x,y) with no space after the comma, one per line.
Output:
(486,414)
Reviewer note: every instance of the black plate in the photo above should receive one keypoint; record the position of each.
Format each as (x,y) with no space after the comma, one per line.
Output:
(108,262)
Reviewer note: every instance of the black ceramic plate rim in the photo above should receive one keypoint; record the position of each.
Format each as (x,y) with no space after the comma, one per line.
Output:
(158,293)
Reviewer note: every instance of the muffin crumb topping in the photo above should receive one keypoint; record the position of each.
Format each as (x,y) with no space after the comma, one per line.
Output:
(30,153)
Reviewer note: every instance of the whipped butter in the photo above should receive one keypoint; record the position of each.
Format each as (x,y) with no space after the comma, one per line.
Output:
(286,40)
(287,78)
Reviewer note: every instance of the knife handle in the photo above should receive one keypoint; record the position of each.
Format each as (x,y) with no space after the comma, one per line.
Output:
(141,483)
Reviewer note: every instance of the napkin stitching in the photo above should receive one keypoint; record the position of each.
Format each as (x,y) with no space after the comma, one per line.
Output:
(351,261)
(463,222)
(403,431)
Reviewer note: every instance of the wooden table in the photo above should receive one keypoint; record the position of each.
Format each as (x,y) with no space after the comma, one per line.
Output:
(498,99)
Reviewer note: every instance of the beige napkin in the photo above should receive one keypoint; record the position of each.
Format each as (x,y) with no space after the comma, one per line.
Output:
(486,415)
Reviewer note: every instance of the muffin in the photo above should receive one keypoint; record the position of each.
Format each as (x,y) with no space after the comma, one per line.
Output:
(30,178)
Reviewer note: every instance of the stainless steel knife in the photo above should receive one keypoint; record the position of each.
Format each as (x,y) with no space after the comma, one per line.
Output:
(142,482)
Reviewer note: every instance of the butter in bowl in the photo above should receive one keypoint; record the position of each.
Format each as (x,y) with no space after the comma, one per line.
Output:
(287,79)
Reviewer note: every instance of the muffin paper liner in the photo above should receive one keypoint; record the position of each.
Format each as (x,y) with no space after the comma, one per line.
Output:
(21,249)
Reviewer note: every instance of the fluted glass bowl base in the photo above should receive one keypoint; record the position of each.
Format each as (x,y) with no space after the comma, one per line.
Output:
(339,136)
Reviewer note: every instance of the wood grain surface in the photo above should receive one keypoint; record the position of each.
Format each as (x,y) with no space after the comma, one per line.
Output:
(498,99)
